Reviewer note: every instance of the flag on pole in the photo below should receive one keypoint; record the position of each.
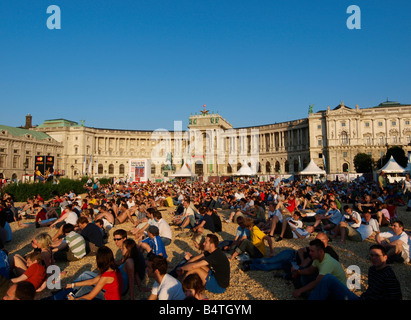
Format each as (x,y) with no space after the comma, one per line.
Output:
(324,162)
(299,162)
(89,165)
(84,165)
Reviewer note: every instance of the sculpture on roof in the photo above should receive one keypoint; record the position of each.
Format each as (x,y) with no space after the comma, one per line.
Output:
(204,112)
(310,108)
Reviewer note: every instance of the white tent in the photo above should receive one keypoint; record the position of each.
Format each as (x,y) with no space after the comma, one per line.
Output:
(312,169)
(245,170)
(392,167)
(184,172)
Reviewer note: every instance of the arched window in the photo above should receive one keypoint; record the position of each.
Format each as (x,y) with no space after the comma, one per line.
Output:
(268,167)
(229,169)
(100,169)
(277,166)
(111,169)
(121,169)
(286,166)
(345,167)
(344,138)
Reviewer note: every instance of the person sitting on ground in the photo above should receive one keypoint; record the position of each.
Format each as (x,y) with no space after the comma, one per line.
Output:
(67,217)
(296,226)
(153,243)
(204,225)
(193,287)
(140,230)
(367,227)
(279,226)
(132,267)
(322,264)
(241,233)
(92,235)
(187,218)
(107,285)
(212,266)
(243,210)
(287,258)
(395,243)
(165,286)
(383,284)
(165,232)
(350,221)
(107,216)
(255,247)
(330,219)
(258,214)
(71,246)
(35,272)
(125,214)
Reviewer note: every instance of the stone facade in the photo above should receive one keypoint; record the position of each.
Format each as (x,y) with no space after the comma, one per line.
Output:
(212,147)
(19,147)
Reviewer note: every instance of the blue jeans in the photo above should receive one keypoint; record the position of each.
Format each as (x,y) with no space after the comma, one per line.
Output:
(332,289)
(273,263)
(87,275)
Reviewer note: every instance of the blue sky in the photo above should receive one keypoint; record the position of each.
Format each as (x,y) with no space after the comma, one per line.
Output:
(133,64)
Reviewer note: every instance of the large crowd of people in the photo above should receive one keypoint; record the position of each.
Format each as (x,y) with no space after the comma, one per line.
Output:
(264,213)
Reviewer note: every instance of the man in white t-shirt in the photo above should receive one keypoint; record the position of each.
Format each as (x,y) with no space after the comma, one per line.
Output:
(165,232)
(395,242)
(67,216)
(165,287)
(187,218)
(350,221)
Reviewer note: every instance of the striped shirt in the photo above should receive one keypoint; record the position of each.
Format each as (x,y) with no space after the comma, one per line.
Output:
(77,244)
(382,285)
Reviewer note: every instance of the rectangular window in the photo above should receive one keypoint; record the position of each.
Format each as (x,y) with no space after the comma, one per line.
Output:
(342,124)
(319,126)
(320,142)
(345,154)
(367,124)
(380,124)
(320,155)
(407,122)
(15,162)
(393,123)
(2,150)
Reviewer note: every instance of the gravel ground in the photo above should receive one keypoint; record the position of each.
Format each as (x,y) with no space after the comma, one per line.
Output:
(252,285)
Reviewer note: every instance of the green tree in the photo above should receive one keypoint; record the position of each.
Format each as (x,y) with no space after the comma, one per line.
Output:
(363,163)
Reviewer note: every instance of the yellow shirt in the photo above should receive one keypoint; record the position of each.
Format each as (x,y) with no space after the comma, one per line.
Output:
(170,202)
(257,239)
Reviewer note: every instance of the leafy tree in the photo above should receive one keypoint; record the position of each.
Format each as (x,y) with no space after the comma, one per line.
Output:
(363,163)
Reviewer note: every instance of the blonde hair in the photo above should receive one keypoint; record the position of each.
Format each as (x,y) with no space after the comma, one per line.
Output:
(44,240)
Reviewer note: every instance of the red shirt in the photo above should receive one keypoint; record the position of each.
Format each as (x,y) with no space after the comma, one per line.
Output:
(114,289)
(41,215)
(36,274)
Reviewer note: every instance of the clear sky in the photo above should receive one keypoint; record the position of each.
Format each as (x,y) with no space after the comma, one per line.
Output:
(133,64)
